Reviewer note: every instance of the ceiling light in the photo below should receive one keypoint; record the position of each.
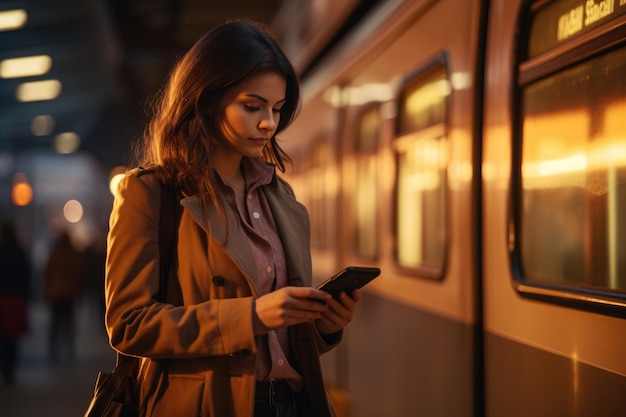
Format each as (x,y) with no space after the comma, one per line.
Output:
(12,19)
(42,125)
(38,90)
(25,67)
(66,142)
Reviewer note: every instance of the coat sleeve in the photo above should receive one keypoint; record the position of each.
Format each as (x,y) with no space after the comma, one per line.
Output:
(136,323)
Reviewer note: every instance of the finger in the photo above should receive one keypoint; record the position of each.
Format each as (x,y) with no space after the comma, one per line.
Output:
(293,300)
(300,316)
(309,306)
(356,295)
(344,308)
(312,305)
(343,303)
(308,292)
(333,317)
(331,322)
(289,317)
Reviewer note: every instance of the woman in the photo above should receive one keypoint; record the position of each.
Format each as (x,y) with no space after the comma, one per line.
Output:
(64,276)
(240,330)
(14,292)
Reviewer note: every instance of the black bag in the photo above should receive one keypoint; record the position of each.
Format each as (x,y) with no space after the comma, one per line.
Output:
(116,394)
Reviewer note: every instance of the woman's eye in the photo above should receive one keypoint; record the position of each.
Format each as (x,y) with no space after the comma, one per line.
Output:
(276,111)
(251,108)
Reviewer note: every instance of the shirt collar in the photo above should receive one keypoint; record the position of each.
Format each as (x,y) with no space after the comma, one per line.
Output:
(257,172)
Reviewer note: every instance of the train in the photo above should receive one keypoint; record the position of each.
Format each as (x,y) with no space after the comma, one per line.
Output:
(475,151)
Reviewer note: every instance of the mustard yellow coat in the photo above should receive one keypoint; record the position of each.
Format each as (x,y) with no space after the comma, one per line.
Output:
(199,348)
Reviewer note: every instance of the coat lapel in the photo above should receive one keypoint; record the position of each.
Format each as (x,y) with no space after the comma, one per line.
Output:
(292,221)
(234,240)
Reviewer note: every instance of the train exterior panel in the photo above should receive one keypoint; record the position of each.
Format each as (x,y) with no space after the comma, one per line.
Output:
(400,317)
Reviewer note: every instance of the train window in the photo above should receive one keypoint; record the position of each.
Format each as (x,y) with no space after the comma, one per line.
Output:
(421,153)
(571,178)
(366,192)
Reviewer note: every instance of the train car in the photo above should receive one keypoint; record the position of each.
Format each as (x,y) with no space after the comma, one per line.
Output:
(475,152)
(553,170)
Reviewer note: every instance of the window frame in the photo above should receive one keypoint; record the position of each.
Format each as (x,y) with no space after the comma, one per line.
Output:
(441,60)
(595,42)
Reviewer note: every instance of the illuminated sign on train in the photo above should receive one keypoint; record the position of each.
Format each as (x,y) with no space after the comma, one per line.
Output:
(561,20)
(596,12)
(571,23)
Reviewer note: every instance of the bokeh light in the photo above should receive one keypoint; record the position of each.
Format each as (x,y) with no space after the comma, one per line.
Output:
(73,211)
(21,191)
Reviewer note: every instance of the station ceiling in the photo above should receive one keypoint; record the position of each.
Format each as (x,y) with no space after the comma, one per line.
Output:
(108,56)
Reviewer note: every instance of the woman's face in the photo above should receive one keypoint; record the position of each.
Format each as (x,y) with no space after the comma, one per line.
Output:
(252,112)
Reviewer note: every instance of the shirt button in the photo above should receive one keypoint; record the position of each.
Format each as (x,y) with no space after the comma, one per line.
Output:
(268,269)
(256,215)
(280,362)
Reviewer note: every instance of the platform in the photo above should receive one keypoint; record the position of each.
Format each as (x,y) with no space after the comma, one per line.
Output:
(61,389)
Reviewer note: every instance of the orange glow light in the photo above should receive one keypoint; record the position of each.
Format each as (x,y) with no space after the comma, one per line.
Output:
(21,194)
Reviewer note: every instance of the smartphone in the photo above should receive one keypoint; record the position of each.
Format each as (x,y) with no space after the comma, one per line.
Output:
(349,279)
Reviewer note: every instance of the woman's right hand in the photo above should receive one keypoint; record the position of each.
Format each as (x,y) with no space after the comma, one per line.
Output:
(290,305)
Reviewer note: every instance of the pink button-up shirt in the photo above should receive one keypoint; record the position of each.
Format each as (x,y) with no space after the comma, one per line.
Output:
(258,223)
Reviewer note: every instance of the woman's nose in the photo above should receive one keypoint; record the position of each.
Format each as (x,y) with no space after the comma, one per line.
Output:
(269,121)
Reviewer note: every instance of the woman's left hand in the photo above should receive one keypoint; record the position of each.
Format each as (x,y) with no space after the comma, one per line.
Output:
(338,313)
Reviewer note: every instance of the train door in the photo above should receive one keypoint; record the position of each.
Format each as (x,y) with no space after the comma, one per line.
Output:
(554,169)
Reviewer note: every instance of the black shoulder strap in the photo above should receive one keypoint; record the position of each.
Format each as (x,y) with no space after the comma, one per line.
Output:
(168,219)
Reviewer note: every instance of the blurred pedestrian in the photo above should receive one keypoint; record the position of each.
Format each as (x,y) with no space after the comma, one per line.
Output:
(95,258)
(14,291)
(64,282)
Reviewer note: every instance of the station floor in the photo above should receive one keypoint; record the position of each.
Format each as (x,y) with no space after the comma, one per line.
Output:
(62,389)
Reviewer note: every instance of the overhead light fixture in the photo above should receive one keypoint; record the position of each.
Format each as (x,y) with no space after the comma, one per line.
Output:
(66,142)
(12,19)
(25,67)
(38,90)
(42,125)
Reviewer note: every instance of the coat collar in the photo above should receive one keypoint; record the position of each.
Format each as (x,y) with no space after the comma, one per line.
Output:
(291,220)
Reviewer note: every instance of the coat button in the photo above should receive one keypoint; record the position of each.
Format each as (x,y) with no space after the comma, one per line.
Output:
(242,352)
(218,280)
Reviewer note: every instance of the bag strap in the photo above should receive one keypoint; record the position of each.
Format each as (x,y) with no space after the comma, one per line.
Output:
(168,220)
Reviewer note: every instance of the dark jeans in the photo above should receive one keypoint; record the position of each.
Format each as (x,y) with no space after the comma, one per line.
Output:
(262,409)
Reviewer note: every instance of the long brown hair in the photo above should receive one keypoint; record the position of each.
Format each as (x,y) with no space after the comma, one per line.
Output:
(184,132)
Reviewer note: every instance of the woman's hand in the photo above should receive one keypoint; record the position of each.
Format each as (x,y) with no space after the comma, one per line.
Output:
(338,314)
(292,305)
